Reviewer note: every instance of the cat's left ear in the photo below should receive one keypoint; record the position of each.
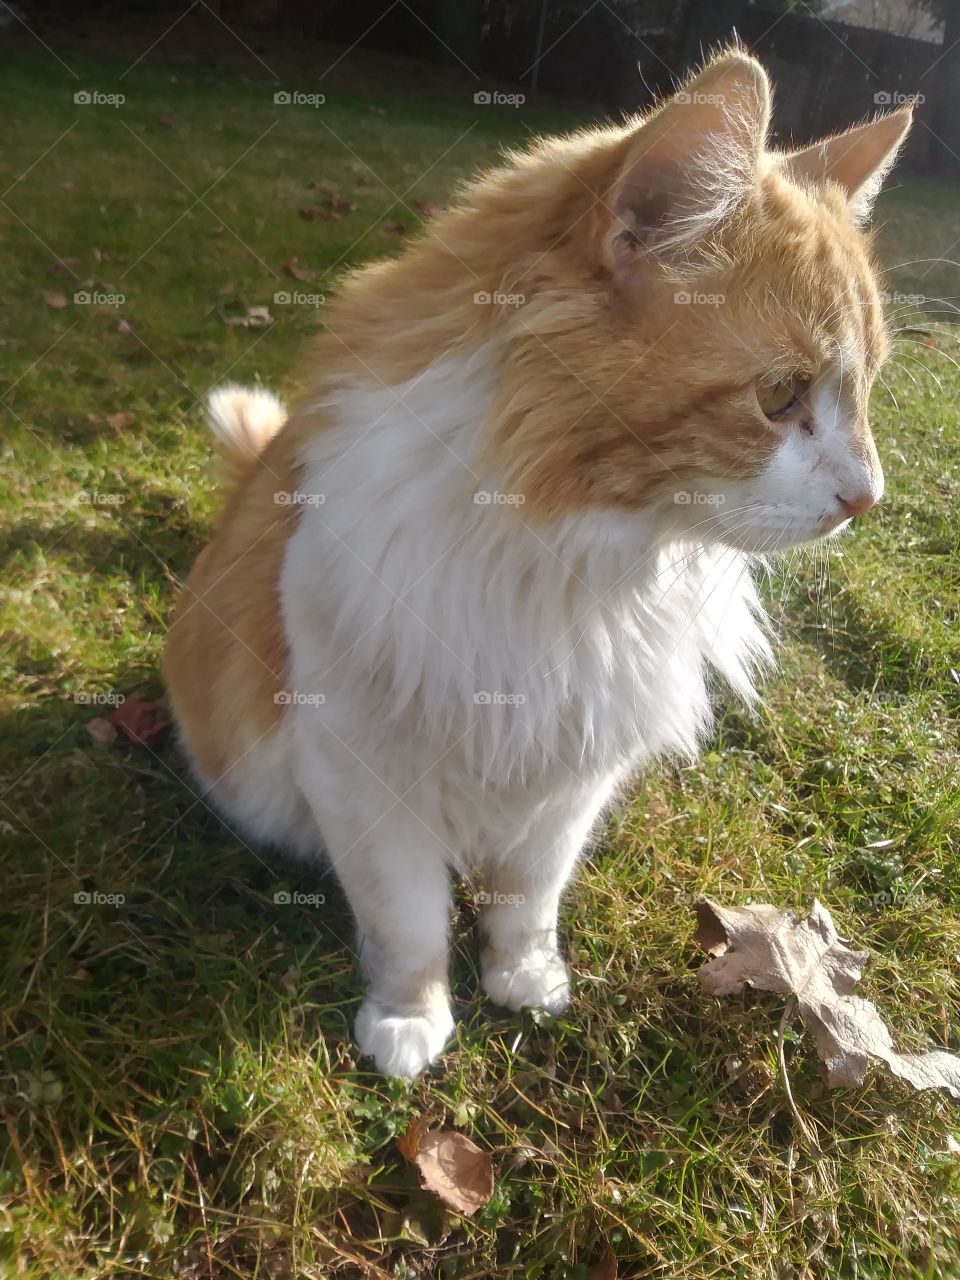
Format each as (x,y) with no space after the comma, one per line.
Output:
(686,168)
(858,160)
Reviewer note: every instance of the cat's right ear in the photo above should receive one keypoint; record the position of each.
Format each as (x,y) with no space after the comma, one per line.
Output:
(688,166)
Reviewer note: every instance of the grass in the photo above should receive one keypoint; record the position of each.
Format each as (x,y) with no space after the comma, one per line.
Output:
(180,1095)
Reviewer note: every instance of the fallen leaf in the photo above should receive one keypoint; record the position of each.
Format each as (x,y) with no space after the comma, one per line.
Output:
(409,1144)
(293,268)
(55,299)
(395,228)
(124,326)
(102,731)
(64,266)
(341,205)
(606,1268)
(774,950)
(429,209)
(120,421)
(138,719)
(456,1169)
(316,213)
(249,318)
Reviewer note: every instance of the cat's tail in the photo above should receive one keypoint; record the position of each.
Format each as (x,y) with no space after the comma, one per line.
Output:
(244,421)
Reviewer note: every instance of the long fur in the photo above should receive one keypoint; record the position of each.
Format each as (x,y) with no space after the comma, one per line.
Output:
(496,557)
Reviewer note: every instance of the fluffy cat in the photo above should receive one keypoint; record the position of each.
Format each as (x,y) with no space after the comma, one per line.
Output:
(485,569)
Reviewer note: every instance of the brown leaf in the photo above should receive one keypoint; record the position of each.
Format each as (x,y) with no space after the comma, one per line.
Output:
(409,1144)
(606,1268)
(53,298)
(64,266)
(429,209)
(395,228)
(101,731)
(293,268)
(456,1169)
(120,421)
(140,720)
(773,950)
(341,205)
(315,213)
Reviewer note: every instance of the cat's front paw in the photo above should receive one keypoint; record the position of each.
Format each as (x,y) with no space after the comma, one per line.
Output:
(539,978)
(401,1044)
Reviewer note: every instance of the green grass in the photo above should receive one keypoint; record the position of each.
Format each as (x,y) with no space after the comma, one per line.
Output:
(180,1096)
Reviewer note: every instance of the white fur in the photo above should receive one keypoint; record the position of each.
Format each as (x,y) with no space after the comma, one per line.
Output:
(244,418)
(468,690)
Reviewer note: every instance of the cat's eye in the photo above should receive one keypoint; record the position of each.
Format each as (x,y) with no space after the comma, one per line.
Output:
(776,395)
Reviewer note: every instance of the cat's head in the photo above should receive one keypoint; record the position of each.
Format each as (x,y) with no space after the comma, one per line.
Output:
(705,337)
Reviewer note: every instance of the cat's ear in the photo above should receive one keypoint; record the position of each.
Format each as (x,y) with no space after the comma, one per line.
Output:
(858,160)
(688,166)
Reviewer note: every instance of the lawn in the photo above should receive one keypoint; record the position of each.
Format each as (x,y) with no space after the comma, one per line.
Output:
(180,1096)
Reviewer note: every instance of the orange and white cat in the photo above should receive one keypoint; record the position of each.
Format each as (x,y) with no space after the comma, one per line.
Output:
(484,570)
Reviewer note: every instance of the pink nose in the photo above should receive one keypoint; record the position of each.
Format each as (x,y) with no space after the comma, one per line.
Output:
(856,506)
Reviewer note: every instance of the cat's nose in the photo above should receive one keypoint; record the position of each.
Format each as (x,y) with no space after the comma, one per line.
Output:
(858,504)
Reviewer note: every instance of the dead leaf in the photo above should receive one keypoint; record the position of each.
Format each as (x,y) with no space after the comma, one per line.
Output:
(138,719)
(606,1268)
(54,298)
(774,950)
(341,205)
(409,1144)
(316,213)
(293,268)
(101,731)
(120,421)
(456,1169)
(395,228)
(64,266)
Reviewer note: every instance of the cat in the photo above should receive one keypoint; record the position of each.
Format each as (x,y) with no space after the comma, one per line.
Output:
(492,563)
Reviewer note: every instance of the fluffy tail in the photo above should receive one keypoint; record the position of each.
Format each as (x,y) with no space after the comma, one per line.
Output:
(244,421)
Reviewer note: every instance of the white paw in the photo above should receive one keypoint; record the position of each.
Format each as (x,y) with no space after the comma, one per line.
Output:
(539,978)
(401,1045)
